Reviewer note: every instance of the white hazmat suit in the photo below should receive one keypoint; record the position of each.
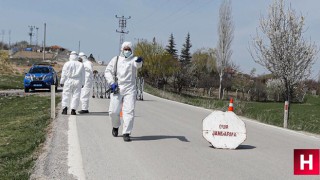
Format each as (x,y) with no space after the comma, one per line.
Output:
(126,75)
(85,91)
(72,79)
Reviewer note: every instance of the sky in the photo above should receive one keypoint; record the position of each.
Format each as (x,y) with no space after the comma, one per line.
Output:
(93,23)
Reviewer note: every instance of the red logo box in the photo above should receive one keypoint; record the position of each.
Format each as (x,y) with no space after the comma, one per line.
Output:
(306,161)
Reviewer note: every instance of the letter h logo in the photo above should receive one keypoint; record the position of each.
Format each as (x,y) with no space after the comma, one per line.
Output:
(306,162)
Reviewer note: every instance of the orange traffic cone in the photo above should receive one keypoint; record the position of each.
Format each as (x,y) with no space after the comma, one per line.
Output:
(231,105)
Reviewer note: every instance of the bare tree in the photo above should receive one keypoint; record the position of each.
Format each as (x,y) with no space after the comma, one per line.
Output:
(225,32)
(203,68)
(283,51)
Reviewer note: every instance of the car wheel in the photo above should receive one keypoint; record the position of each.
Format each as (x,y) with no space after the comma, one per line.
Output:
(26,90)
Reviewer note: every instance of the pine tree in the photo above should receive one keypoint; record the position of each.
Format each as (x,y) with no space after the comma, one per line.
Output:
(154,42)
(171,49)
(92,58)
(185,56)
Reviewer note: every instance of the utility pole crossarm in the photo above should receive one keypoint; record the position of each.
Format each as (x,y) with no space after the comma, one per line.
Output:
(122,26)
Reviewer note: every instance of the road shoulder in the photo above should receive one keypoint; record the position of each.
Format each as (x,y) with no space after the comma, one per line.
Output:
(52,162)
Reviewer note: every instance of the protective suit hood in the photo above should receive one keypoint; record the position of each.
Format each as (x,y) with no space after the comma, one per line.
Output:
(73,56)
(83,56)
(126,44)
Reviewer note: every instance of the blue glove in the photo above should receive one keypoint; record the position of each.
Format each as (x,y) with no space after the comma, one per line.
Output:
(114,86)
(139,59)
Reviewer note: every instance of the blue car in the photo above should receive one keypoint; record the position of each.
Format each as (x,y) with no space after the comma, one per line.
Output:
(40,77)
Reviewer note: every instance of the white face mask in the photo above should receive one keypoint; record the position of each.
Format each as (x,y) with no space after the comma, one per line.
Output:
(126,53)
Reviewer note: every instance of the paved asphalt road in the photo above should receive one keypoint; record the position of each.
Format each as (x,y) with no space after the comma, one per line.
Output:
(167,143)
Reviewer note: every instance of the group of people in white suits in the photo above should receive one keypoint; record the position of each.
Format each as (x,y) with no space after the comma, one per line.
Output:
(121,74)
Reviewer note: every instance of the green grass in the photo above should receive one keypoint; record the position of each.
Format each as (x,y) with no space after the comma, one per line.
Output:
(23,123)
(187,99)
(11,82)
(303,116)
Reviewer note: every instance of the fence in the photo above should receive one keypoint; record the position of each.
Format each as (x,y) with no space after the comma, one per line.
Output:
(100,86)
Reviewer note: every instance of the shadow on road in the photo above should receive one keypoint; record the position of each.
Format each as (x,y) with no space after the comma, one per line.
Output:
(94,114)
(145,100)
(158,137)
(43,91)
(241,147)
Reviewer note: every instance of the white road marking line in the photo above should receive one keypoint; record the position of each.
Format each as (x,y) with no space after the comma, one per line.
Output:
(74,152)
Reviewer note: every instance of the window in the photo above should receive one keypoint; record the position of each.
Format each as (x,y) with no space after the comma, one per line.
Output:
(39,70)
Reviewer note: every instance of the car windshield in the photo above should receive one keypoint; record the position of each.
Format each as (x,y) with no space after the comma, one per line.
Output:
(39,70)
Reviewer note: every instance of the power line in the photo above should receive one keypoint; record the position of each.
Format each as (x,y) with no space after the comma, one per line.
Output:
(185,14)
(176,11)
(196,8)
(182,12)
(150,15)
(122,26)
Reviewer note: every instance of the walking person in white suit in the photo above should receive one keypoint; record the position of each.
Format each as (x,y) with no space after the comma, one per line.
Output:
(72,80)
(88,83)
(121,73)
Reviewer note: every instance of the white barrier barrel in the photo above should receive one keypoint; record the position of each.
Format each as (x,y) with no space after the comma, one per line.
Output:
(224,130)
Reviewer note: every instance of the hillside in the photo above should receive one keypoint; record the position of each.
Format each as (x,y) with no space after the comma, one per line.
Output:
(31,55)
(20,62)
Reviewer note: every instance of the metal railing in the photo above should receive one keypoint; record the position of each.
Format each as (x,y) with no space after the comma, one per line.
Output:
(100,86)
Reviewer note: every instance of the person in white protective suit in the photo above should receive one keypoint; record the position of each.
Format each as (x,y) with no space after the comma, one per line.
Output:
(121,73)
(85,91)
(72,80)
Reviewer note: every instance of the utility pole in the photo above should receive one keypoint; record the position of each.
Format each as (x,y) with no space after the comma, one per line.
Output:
(31,33)
(79,47)
(9,39)
(2,43)
(44,42)
(37,37)
(122,26)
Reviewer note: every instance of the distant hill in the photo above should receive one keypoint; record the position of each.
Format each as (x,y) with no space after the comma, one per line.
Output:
(54,56)
(31,55)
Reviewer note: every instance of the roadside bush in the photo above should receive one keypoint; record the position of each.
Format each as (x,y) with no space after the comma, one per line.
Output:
(5,65)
